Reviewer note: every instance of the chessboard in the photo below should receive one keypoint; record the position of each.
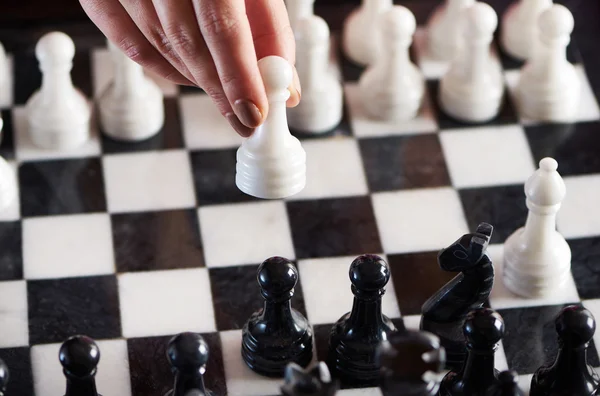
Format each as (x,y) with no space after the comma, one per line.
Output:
(131,243)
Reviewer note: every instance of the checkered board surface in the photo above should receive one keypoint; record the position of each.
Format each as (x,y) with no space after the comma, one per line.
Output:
(132,243)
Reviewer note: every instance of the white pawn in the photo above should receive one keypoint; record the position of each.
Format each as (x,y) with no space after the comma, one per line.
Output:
(473,88)
(8,181)
(392,88)
(271,163)
(361,40)
(131,107)
(298,10)
(443,29)
(320,109)
(58,114)
(537,259)
(549,87)
(519,31)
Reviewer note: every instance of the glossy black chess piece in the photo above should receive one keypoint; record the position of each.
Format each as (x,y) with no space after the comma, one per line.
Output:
(277,334)
(444,313)
(507,385)
(79,356)
(570,373)
(483,330)
(187,354)
(4,377)
(355,338)
(312,381)
(411,364)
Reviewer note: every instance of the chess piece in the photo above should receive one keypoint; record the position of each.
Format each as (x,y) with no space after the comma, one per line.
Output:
(320,109)
(411,364)
(537,258)
(131,107)
(444,313)
(483,329)
(519,31)
(277,334)
(298,10)
(355,338)
(271,164)
(312,381)
(79,356)
(549,86)
(507,385)
(58,114)
(188,354)
(473,88)
(8,181)
(4,377)
(361,38)
(570,373)
(443,29)
(392,88)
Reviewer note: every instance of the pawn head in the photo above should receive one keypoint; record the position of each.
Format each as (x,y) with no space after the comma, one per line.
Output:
(277,277)
(369,273)
(546,187)
(312,31)
(79,356)
(480,20)
(398,23)
(55,48)
(556,22)
(483,328)
(276,73)
(188,352)
(575,326)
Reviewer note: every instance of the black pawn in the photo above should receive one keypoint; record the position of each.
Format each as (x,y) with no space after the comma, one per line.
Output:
(570,374)
(277,334)
(355,338)
(79,356)
(4,377)
(507,385)
(312,381)
(483,330)
(188,355)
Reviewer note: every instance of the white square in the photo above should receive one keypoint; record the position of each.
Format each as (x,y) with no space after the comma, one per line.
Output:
(148,181)
(240,380)
(6,87)
(412,322)
(203,125)
(404,219)
(360,392)
(579,213)
(112,378)
(13,314)
(364,126)
(246,233)
(327,293)
(502,298)
(67,246)
(466,149)
(25,150)
(150,301)
(327,178)
(13,211)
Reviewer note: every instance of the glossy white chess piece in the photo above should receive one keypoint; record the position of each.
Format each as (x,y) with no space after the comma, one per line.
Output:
(298,9)
(444,30)
(537,259)
(519,31)
(271,163)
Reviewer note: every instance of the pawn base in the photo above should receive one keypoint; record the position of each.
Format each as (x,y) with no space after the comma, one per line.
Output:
(318,112)
(470,109)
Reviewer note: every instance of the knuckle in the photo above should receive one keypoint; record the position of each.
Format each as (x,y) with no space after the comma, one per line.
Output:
(182,40)
(134,51)
(218,22)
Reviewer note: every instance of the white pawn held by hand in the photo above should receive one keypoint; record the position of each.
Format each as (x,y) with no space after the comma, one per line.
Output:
(519,32)
(320,109)
(473,88)
(549,87)
(537,259)
(392,88)
(271,164)
(131,107)
(58,114)
(361,40)
(443,29)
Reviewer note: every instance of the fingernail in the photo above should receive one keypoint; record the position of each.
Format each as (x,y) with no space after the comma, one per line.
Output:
(240,128)
(247,113)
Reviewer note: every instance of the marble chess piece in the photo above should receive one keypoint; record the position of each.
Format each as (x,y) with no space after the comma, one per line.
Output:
(443,29)
(79,357)
(58,114)
(519,32)
(298,10)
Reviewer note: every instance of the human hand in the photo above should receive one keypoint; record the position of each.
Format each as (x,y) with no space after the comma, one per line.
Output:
(212,44)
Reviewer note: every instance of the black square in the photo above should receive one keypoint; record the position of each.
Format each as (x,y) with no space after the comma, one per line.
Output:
(236,295)
(574,146)
(530,339)
(416,277)
(169,137)
(62,187)
(510,63)
(401,162)
(585,256)
(59,308)
(503,207)
(151,373)
(333,227)
(163,240)
(214,177)
(11,254)
(7,143)
(506,116)
(20,380)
